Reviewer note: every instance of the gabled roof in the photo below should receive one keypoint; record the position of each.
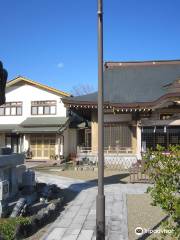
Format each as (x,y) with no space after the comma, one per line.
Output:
(135,83)
(36,84)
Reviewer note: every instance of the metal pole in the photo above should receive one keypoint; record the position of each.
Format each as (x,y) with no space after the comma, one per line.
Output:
(100,200)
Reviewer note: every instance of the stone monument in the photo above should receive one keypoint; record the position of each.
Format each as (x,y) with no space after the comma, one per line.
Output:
(11,165)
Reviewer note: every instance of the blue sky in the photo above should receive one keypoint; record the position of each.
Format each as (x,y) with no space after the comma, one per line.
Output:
(55,41)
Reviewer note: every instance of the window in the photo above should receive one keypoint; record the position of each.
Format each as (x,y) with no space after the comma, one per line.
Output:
(11,109)
(153,136)
(116,134)
(53,110)
(47,110)
(43,107)
(1,111)
(34,110)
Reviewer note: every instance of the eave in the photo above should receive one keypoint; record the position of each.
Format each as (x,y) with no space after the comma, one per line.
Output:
(137,106)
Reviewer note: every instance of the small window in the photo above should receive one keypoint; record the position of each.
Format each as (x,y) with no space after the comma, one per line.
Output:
(40,110)
(7,111)
(53,110)
(1,111)
(34,110)
(19,110)
(46,110)
(13,111)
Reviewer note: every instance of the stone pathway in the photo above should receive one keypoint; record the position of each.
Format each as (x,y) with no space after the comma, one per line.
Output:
(78,220)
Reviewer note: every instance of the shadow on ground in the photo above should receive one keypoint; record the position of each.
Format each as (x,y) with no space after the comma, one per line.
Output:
(146,235)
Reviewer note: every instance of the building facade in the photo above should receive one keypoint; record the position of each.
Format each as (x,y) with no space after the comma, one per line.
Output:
(141,110)
(32,119)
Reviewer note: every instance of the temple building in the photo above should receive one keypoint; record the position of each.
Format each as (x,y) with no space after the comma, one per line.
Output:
(141,110)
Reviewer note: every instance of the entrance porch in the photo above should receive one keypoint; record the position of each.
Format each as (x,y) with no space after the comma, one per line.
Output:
(120,144)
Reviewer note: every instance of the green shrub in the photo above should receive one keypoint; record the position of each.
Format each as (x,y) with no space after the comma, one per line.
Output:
(8,226)
(164,171)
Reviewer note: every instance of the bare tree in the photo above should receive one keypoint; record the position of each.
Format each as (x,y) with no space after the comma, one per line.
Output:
(82,89)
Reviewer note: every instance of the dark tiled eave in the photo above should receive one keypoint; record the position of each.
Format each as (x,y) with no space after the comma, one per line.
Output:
(136,105)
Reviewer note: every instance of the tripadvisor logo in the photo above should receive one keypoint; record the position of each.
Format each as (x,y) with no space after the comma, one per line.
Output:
(139,231)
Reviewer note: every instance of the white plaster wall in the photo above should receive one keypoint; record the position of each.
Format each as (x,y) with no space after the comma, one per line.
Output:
(27,93)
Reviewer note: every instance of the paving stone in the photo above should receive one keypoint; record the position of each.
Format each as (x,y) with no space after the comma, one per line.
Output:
(85,235)
(115,222)
(70,237)
(75,226)
(91,218)
(78,220)
(56,234)
(116,236)
(89,225)
(70,214)
(83,212)
(72,232)
(115,228)
(92,212)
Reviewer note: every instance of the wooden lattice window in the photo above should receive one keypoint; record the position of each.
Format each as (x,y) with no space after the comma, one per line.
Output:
(117,135)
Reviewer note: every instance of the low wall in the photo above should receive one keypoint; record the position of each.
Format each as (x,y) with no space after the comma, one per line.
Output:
(120,161)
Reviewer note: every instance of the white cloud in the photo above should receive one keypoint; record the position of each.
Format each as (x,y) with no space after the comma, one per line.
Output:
(60,65)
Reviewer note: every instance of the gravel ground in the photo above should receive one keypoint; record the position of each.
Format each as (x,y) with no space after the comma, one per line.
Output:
(142,214)
(110,175)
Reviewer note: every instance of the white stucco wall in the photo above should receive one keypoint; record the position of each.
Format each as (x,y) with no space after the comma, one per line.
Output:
(27,93)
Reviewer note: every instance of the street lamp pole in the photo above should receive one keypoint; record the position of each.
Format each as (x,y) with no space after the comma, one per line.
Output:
(100,200)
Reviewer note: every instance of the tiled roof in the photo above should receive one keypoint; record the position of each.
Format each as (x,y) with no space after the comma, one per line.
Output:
(134,82)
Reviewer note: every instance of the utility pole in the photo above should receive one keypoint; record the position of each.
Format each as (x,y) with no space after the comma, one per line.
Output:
(100,200)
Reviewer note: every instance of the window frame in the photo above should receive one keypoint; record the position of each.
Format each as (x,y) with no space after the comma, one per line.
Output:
(44,104)
(11,105)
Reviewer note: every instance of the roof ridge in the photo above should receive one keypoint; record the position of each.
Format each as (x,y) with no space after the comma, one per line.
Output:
(112,64)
